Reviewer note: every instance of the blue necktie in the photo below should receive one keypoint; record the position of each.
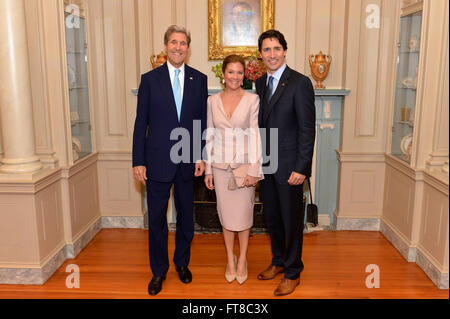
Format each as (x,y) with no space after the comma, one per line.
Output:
(177,92)
(270,88)
(267,97)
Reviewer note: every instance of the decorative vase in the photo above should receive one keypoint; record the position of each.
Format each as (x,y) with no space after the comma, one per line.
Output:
(160,60)
(319,68)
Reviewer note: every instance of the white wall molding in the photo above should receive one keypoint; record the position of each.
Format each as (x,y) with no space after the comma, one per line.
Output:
(115,155)
(79,166)
(403,167)
(360,157)
(13,184)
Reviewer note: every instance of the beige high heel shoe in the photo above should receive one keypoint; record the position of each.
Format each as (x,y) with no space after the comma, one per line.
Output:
(232,277)
(242,279)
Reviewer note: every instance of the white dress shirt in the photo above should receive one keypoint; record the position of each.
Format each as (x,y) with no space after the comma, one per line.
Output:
(180,76)
(276,77)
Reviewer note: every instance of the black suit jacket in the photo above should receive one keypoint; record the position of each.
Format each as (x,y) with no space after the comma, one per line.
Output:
(292,111)
(157,117)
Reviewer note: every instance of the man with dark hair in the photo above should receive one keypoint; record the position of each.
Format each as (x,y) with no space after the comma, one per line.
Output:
(170,97)
(287,105)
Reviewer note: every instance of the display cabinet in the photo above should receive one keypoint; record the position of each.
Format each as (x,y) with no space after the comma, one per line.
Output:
(407,64)
(77,72)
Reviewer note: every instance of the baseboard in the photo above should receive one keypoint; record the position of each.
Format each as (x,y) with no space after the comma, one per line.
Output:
(84,239)
(414,254)
(123,221)
(39,275)
(398,241)
(324,219)
(350,223)
(440,279)
(33,276)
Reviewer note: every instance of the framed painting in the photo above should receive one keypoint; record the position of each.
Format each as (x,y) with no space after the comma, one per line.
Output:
(235,25)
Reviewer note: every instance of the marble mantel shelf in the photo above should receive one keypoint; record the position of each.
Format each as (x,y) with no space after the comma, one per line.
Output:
(326,92)
(332,92)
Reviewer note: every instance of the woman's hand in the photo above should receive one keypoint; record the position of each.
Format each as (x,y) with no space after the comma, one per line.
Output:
(209,181)
(250,181)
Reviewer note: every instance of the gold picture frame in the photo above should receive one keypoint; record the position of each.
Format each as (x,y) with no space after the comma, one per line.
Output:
(234,26)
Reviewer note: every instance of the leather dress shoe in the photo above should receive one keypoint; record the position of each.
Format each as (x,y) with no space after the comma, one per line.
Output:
(270,272)
(155,285)
(185,274)
(286,286)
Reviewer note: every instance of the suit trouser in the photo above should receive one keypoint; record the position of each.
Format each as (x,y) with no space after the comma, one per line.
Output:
(158,194)
(284,216)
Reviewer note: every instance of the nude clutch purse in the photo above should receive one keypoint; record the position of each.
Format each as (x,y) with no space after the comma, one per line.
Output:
(237,179)
(232,184)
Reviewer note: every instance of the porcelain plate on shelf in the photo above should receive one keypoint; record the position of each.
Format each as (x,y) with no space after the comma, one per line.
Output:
(408,82)
(406,144)
(413,43)
(76,144)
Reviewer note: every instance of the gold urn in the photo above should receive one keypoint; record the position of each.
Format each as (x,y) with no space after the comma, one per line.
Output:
(160,59)
(319,68)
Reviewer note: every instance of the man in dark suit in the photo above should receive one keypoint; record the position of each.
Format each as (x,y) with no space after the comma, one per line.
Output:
(287,105)
(171,99)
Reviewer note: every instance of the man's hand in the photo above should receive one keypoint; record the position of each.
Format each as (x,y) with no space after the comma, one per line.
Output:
(140,174)
(209,182)
(296,179)
(199,168)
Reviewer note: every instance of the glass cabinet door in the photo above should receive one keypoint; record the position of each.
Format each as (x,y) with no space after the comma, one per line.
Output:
(77,71)
(405,85)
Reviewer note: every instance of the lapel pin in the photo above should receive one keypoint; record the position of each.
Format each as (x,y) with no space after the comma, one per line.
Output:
(282,84)
(191,78)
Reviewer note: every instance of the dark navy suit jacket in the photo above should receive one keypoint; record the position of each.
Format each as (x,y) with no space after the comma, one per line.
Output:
(291,110)
(156,117)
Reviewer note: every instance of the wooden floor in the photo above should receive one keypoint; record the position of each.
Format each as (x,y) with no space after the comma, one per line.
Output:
(115,265)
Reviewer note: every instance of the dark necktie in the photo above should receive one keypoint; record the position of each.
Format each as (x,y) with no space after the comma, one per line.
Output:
(265,108)
(269,89)
(267,96)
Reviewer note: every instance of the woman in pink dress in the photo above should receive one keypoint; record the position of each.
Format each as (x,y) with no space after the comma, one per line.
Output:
(234,161)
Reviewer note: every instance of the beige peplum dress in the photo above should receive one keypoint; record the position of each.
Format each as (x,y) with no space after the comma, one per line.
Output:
(234,150)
